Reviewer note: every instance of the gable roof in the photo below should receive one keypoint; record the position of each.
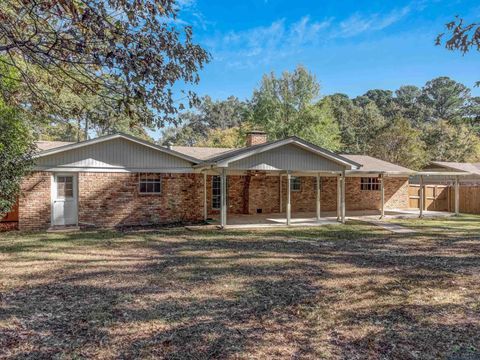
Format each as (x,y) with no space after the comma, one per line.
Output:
(209,156)
(71,146)
(473,168)
(371,164)
(200,152)
(229,156)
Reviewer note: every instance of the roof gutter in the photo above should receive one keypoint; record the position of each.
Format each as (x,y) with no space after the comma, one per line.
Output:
(444,173)
(383,172)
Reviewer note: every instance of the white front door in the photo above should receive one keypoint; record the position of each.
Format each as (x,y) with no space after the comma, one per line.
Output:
(64,197)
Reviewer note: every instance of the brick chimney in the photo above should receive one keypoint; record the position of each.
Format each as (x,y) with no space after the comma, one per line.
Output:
(256,137)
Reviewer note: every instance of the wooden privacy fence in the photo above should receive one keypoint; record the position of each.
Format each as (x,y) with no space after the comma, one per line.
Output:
(442,198)
(469,199)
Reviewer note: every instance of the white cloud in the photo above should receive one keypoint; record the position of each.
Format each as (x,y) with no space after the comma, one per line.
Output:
(262,44)
(183,4)
(259,45)
(357,24)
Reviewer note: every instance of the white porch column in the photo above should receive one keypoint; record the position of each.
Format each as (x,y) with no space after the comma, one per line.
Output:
(223,198)
(318,197)
(289,207)
(339,197)
(205,208)
(343,196)
(457,196)
(422,197)
(382,195)
(280,194)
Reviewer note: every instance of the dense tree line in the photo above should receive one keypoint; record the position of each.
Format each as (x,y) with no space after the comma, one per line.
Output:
(408,126)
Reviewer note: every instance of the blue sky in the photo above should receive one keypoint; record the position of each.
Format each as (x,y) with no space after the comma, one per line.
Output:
(351,46)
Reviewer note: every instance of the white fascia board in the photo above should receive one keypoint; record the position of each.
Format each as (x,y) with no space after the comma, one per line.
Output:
(115,169)
(380,172)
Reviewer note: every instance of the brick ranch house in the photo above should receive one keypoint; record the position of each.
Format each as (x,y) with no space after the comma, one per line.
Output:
(120,180)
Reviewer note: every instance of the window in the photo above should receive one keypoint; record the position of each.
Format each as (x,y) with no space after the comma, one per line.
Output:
(64,187)
(150,183)
(370,184)
(216,192)
(295,183)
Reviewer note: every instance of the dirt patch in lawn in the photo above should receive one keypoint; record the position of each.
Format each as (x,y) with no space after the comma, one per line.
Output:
(332,292)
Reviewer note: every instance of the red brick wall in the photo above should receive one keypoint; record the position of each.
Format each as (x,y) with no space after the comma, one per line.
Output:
(256,138)
(264,194)
(34,202)
(112,199)
(396,195)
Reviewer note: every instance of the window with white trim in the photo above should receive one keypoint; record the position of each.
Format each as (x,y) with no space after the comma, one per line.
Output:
(370,184)
(295,183)
(216,192)
(150,184)
(65,187)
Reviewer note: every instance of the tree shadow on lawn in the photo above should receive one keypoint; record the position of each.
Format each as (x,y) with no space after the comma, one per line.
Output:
(245,294)
(409,332)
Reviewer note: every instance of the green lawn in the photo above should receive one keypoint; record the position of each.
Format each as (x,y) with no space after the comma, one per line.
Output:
(342,292)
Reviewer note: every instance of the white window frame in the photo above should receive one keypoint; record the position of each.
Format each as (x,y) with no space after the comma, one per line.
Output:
(149,181)
(295,180)
(216,197)
(369,184)
(64,197)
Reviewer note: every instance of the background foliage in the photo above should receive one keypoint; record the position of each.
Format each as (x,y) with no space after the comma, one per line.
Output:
(409,126)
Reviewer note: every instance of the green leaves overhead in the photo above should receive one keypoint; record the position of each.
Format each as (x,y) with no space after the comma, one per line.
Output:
(129,53)
(16,149)
(460,37)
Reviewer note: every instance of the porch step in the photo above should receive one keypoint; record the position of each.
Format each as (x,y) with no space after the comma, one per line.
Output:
(63,229)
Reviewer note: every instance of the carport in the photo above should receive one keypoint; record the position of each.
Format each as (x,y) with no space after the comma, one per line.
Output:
(436,175)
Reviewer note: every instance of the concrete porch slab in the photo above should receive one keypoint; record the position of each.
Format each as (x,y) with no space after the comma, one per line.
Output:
(308,219)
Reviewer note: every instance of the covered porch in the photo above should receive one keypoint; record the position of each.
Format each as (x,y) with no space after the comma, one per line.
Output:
(273,169)
(307,219)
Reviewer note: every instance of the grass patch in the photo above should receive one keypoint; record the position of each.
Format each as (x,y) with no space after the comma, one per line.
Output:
(353,291)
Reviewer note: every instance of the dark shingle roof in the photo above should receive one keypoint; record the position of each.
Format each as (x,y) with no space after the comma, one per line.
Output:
(473,168)
(47,145)
(373,164)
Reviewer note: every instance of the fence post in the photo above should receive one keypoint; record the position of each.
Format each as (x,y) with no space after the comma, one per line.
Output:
(422,198)
(457,196)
